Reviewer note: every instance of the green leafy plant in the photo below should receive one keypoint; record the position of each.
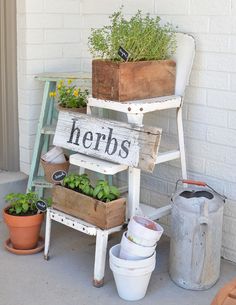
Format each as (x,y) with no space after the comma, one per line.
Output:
(69,95)
(24,204)
(105,192)
(144,38)
(81,183)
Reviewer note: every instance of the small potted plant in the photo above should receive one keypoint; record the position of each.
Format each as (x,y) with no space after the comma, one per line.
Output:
(24,221)
(99,205)
(70,97)
(132,58)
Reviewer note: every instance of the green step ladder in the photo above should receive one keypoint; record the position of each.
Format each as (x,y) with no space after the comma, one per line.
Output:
(47,125)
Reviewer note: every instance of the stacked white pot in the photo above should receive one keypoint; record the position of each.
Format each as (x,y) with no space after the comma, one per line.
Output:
(141,238)
(133,261)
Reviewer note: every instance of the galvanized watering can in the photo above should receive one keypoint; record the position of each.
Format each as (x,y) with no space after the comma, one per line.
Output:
(196,233)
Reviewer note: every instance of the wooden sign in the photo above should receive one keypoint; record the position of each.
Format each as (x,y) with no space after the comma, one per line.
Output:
(119,142)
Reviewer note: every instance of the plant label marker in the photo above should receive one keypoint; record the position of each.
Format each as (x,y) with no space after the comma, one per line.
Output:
(41,206)
(59,175)
(123,53)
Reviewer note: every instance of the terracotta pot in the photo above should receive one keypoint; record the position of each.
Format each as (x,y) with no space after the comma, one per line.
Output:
(23,230)
(226,295)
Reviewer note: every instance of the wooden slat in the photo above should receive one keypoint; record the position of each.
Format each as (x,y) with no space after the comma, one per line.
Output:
(39,181)
(155,213)
(99,166)
(55,76)
(168,156)
(139,106)
(141,143)
(48,130)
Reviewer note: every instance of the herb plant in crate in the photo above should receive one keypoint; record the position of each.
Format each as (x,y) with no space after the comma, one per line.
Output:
(70,97)
(99,205)
(132,58)
(24,220)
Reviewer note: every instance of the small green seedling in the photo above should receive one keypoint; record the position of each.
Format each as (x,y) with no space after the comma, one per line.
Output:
(24,204)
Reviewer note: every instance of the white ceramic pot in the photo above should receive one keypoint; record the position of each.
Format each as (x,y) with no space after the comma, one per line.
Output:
(131,277)
(132,251)
(144,231)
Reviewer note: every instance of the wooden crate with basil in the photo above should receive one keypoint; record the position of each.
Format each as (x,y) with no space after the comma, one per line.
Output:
(99,205)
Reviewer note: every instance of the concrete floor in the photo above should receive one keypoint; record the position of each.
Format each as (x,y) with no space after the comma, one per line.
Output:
(66,278)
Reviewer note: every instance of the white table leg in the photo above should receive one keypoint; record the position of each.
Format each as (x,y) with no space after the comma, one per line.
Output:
(134,118)
(134,176)
(179,119)
(81,170)
(100,258)
(47,235)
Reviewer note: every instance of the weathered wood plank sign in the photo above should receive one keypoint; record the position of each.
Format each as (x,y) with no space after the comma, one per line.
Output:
(119,142)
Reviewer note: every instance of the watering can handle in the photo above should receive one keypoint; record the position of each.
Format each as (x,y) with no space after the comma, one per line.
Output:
(194,182)
(199,183)
(186,181)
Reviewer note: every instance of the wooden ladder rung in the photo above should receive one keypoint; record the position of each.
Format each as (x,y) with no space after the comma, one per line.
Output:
(50,130)
(97,165)
(167,156)
(154,212)
(40,181)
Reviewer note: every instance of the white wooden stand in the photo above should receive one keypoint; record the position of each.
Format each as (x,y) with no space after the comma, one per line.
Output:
(135,111)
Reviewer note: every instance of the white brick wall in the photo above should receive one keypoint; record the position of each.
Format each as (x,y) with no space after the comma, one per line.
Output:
(52,36)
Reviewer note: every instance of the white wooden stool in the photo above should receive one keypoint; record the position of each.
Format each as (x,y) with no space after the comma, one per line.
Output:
(135,111)
(103,167)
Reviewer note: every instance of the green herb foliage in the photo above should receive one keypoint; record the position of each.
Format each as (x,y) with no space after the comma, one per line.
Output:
(24,204)
(105,192)
(81,183)
(144,38)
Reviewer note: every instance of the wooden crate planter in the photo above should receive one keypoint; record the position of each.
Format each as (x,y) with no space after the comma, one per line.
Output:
(124,81)
(98,213)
